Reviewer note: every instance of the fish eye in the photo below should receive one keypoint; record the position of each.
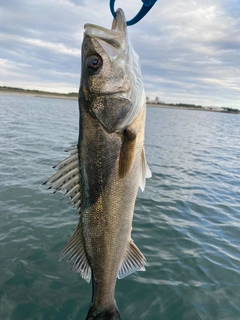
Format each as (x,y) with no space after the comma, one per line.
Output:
(94,62)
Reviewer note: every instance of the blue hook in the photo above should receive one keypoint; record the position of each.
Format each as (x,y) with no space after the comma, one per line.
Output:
(147,5)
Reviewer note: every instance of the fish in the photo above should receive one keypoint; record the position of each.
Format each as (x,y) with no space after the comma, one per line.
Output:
(103,172)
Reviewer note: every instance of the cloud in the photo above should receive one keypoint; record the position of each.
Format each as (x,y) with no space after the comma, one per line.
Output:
(189,50)
(194,50)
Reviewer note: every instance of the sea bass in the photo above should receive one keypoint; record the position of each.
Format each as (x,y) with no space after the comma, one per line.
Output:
(103,172)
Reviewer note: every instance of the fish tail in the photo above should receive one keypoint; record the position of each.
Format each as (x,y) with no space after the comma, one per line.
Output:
(111,313)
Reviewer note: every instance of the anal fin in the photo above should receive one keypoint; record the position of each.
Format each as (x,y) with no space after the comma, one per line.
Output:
(75,246)
(133,261)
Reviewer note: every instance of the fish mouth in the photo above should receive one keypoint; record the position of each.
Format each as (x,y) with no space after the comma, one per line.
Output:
(119,94)
(118,25)
(97,31)
(112,36)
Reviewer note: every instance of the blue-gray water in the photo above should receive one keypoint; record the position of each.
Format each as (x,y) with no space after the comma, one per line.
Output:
(187,222)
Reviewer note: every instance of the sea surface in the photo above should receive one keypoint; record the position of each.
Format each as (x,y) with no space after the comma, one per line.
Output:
(187,221)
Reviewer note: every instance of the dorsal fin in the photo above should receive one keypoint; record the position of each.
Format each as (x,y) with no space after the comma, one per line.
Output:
(68,178)
(133,261)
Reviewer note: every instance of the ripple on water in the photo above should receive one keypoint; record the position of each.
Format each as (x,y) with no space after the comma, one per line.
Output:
(186,222)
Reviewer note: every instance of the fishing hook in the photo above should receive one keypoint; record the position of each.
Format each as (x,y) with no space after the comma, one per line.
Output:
(147,5)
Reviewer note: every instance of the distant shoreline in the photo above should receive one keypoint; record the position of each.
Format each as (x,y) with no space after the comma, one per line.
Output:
(40,94)
(167,106)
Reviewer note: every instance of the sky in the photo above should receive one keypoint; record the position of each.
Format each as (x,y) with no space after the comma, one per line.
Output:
(189,50)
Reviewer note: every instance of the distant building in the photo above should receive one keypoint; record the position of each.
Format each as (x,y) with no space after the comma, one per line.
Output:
(154,101)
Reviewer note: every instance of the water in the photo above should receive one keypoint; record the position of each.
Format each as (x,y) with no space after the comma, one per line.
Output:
(187,222)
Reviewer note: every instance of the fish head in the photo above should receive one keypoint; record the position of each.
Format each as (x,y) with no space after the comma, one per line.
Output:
(111,81)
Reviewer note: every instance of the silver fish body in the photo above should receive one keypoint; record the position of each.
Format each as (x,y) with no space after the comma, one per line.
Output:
(105,170)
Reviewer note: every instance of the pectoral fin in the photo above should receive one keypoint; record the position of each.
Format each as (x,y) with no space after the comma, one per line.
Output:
(75,246)
(145,171)
(134,261)
(127,153)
